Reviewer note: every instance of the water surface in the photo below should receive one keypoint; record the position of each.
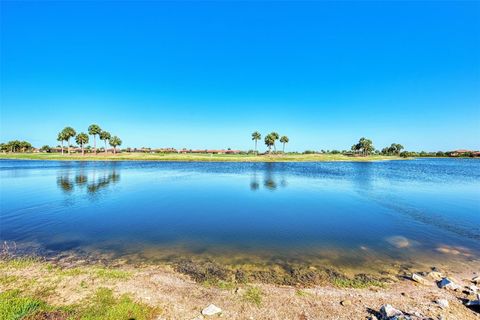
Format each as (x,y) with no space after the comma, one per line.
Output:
(343,212)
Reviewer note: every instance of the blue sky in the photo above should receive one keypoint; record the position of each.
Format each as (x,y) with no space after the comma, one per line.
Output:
(207,74)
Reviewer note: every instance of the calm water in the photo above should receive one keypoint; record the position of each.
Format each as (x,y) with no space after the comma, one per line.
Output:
(334,210)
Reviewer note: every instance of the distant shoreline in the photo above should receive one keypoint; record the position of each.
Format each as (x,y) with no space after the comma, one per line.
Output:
(198,157)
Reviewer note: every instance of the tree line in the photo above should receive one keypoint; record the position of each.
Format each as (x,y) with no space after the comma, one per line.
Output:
(82,138)
(270,140)
(16,146)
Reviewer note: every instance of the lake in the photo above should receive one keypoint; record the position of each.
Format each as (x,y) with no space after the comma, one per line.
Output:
(343,213)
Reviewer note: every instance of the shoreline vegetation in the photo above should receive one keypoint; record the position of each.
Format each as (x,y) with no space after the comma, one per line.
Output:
(71,288)
(363,150)
(196,157)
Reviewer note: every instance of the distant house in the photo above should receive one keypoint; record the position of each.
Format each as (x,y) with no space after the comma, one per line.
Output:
(464,152)
(212,151)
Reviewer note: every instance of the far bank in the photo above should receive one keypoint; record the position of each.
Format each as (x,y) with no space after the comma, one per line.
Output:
(200,157)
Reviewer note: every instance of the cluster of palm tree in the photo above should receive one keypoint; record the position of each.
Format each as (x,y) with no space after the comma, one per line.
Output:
(270,140)
(364,146)
(82,138)
(16,146)
(395,148)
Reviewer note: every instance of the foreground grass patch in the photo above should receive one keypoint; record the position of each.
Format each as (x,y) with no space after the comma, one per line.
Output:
(103,305)
(13,306)
(112,274)
(253,295)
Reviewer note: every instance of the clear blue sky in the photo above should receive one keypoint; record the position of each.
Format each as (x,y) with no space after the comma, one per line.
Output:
(207,74)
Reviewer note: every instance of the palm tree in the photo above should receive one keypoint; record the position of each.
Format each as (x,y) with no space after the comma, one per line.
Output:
(61,138)
(114,142)
(284,140)
(269,141)
(256,136)
(105,135)
(81,139)
(68,132)
(275,137)
(94,130)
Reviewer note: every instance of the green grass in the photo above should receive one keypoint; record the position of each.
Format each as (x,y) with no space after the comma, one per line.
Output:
(8,279)
(302,293)
(253,295)
(13,306)
(17,263)
(201,157)
(356,283)
(102,305)
(112,274)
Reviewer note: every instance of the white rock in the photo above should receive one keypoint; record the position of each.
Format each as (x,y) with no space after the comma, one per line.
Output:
(448,284)
(418,278)
(473,289)
(387,311)
(443,303)
(211,310)
(476,280)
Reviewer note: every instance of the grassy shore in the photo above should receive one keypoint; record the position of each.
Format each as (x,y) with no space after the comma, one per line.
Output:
(33,289)
(194,157)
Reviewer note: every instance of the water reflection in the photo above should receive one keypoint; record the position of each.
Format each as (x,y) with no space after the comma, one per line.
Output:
(270,180)
(93,183)
(64,183)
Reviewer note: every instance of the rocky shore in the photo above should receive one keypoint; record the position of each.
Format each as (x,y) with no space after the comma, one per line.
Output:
(66,289)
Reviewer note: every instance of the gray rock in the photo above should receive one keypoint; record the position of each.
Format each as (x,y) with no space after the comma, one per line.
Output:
(418,278)
(211,310)
(443,303)
(389,312)
(447,283)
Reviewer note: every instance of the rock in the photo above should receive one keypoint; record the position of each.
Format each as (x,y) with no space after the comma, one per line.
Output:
(476,280)
(473,289)
(399,242)
(346,303)
(418,278)
(387,312)
(211,310)
(435,275)
(472,303)
(448,284)
(443,303)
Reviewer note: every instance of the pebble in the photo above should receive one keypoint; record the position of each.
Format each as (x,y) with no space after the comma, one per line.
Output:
(211,310)
(443,303)
(418,278)
(346,303)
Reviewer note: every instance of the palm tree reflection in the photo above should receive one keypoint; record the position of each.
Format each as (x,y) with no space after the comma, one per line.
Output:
(93,183)
(270,180)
